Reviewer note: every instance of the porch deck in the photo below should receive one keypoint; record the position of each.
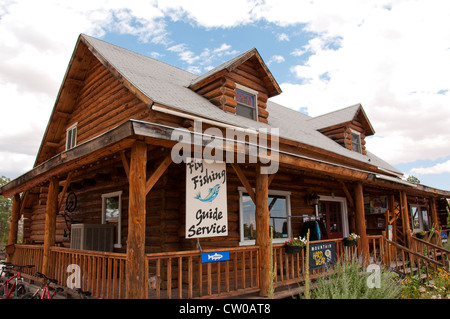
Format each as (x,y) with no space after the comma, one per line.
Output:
(178,274)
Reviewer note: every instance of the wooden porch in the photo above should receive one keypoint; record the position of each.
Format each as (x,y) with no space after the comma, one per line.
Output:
(179,275)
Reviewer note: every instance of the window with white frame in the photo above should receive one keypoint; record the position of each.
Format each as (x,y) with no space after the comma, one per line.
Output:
(356,141)
(246,102)
(71,137)
(279,209)
(112,214)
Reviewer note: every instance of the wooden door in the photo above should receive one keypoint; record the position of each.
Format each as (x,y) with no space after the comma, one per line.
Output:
(332,218)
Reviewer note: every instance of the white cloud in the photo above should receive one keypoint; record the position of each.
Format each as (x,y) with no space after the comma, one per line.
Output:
(435,169)
(283,37)
(391,59)
(276,59)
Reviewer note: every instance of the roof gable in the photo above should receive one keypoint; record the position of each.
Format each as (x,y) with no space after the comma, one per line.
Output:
(65,100)
(352,114)
(271,84)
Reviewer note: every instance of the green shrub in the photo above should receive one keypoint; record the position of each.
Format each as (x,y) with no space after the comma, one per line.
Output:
(348,280)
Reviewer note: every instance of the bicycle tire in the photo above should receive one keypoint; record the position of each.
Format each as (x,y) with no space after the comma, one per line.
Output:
(30,295)
(20,290)
(2,291)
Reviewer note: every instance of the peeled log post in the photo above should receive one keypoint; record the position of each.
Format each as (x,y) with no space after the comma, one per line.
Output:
(405,217)
(361,223)
(135,282)
(50,223)
(262,228)
(14,220)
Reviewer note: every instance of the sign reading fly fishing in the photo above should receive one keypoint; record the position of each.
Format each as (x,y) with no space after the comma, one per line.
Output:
(206,199)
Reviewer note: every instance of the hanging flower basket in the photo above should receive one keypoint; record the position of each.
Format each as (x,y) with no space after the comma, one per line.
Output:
(351,240)
(293,249)
(294,246)
(421,235)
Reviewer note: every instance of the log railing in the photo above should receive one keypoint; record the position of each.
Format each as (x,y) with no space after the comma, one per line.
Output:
(101,273)
(430,250)
(406,261)
(291,267)
(28,255)
(177,274)
(183,275)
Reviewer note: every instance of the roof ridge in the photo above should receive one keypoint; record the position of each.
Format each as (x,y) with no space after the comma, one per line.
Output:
(87,37)
(335,111)
(222,66)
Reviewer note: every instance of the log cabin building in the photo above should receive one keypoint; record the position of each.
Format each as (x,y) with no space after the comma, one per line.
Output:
(106,195)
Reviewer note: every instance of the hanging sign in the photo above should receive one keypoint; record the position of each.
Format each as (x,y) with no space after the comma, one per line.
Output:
(206,199)
(322,255)
(215,256)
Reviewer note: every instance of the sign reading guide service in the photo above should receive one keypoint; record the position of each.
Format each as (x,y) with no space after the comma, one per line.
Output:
(206,199)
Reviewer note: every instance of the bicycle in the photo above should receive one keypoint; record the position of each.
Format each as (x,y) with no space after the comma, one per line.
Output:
(83,294)
(44,291)
(4,265)
(13,286)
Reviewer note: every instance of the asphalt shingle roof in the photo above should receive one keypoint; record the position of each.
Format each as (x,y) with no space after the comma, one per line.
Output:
(168,85)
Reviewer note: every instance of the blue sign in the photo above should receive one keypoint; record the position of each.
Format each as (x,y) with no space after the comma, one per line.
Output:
(215,256)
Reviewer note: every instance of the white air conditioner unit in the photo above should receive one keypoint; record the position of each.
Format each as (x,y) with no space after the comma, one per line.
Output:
(98,237)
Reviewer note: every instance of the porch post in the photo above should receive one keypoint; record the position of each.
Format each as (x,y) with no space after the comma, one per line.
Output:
(434,215)
(405,217)
(262,228)
(50,222)
(135,266)
(14,221)
(361,222)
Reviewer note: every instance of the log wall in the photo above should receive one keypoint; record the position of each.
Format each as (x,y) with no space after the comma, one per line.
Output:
(102,103)
(165,219)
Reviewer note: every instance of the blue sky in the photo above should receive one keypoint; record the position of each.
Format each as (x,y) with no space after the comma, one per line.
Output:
(392,56)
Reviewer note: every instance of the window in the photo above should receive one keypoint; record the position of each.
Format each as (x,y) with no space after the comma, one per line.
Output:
(279,209)
(246,102)
(71,137)
(419,218)
(112,214)
(356,141)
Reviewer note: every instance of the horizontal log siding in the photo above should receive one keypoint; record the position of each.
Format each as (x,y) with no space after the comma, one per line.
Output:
(102,103)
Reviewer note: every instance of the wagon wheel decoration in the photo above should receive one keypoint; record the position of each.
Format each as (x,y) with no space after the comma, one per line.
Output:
(71,202)
(71,205)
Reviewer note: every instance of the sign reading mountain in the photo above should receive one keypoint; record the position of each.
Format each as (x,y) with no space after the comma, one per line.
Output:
(206,199)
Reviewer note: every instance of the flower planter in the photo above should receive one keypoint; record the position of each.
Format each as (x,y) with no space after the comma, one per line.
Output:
(420,236)
(293,249)
(350,242)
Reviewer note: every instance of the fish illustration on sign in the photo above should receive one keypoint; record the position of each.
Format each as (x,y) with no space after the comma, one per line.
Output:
(216,256)
(212,194)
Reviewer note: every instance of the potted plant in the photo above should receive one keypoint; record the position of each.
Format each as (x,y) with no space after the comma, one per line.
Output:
(351,240)
(294,245)
(421,234)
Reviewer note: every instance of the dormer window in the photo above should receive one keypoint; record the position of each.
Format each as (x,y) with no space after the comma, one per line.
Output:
(246,102)
(356,141)
(71,137)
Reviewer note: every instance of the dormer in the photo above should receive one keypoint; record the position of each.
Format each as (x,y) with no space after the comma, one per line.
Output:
(240,86)
(347,127)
